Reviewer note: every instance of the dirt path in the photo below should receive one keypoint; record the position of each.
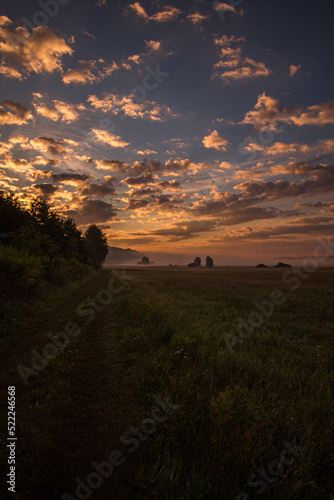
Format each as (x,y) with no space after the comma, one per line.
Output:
(74,411)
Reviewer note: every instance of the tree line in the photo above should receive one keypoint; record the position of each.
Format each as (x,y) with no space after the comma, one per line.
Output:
(38,245)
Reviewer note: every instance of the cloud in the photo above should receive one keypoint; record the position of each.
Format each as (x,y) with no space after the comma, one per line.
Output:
(215,141)
(221,7)
(153,46)
(115,141)
(24,53)
(113,165)
(322,181)
(196,18)
(279,148)
(282,231)
(147,152)
(184,230)
(102,190)
(83,74)
(92,211)
(129,106)
(48,145)
(169,185)
(319,115)
(139,10)
(61,110)
(294,69)
(19,166)
(46,190)
(88,72)
(168,13)
(67,177)
(138,181)
(268,112)
(232,65)
(17,114)
(147,191)
(101,3)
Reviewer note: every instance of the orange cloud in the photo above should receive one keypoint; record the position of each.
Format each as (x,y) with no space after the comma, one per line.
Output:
(197,18)
(168,13)
(215,141)
(221,7)
(130,107)
(48,145)
(268,112)
(232,65)
(62,111)
(24,53)
(294,69)
(106,137)
(17,114)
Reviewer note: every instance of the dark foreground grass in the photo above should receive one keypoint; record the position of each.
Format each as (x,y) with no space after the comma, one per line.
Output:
(164,336)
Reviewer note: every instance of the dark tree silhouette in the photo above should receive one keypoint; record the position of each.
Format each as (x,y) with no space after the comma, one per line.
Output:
(95,246)
(209,262)
(197,261)
(145,260)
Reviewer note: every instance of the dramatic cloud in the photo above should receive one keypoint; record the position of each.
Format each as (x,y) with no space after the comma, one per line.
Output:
(46,190)
(129,106)
(268,112)
(215,141)
(115,141)
(24,53)
(232,65)
(17,114)
(322,182)
(92,211)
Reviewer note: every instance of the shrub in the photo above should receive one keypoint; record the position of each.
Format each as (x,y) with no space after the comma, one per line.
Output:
(19,269)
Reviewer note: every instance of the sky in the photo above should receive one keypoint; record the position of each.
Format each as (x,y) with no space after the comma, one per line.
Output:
(180,128)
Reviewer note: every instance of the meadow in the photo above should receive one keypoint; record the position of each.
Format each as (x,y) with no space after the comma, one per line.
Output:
(164,384)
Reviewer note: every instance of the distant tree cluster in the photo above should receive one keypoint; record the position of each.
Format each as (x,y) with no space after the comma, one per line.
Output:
(197,262)
(145,260)
(37,244)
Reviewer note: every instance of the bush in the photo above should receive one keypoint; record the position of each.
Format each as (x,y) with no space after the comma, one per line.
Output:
(20,270)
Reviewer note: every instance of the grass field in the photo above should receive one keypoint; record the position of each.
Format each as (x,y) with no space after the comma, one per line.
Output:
(250,411)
